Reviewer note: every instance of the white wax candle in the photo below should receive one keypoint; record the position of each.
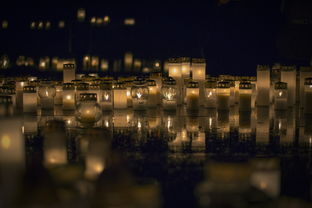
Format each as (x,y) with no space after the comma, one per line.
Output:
(106,100)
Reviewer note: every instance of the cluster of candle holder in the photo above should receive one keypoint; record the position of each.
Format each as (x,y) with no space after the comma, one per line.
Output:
(187,84)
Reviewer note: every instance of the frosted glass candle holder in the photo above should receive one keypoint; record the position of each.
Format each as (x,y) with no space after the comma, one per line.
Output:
(223,95)
(139,93)
(280,96)
(245,91)
(30,99)
(106,99)
(169,94)
(192,96)
(47,93)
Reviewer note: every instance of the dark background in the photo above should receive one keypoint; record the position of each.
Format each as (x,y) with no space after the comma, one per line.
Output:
(233,35)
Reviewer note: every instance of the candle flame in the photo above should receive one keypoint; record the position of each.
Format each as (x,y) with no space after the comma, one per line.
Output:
(280,94)
(106,96)
(68,97)
(139,95)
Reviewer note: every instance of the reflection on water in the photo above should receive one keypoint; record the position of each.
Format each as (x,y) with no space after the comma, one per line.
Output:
(157,158)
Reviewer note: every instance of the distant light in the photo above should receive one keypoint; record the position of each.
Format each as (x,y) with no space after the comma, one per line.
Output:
(93,20)
(61,24)
(32,25)
(40,25)
(48,25)
(99,21)
(5,24)
(129,21)
(157,64)
(106,19)
(81,14)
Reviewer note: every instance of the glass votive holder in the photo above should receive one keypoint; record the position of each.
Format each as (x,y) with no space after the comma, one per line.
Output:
(139,93)
(223,95)
(211,94)
(69,98)
(169,94)
(120,95)
(192,95)
(153,98)
(245,91)
(82,87)
(88,111)
(47,93)
(29,99)
(106,99)
(280,96)
(308,95)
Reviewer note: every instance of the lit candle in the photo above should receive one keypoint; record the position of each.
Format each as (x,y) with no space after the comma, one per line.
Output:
(153,97)
(223,95)
(47,92)
(139,93)
(308,95)
(305,72)
(19,93)
(69,72)
(211,94)
(12,143)
(69,99)
(157,77)
(106,101)
(263,125)
(199,75)
(192,96)
(120,96)
(82,87)
(129,84)
(263,86)
(30,99)
(288,75)
(266,176)
(169,94)
(97,153)
(58,99)
(88,111)
(280,96)
(95,88)
(54,144)
(175,71)
(245,96)
(185,67)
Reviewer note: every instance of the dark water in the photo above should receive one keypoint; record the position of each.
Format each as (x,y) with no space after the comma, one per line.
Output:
(156,158)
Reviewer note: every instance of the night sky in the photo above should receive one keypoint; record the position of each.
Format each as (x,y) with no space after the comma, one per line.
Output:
(233,36)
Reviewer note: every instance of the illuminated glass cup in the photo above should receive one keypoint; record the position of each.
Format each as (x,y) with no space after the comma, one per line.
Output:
(139,93)
(280,96)
(47,93)
(169,94)
(211,94)
(88,111)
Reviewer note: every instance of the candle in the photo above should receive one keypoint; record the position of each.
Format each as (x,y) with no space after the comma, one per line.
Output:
(223,95)
(30,99)
(305,72)
(192,96)
(280,96)
(263,125)
(69,99)
(97,153)
(106,101)
(308,95)
(58,99)
(211,94)
(157,77)
(245,96)
(129,84)
(153,97)
(95,88)
(263,86)
(88,111)
(120,96)
(12,143)
(199,75)
(82,87)
(185,67)
(47,92)
(54,144)
(288,75)
(175,71)
(169,94)
(69,72)
(139,93)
